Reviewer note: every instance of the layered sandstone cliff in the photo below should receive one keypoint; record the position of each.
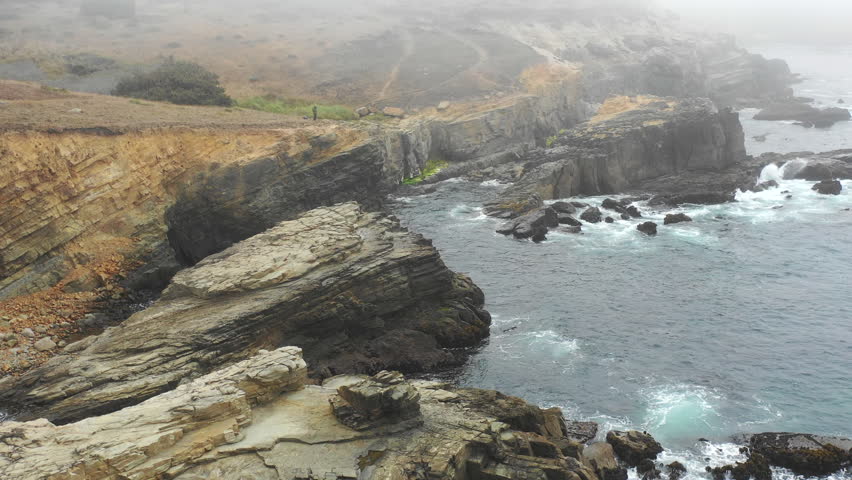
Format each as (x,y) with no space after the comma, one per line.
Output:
(354,289)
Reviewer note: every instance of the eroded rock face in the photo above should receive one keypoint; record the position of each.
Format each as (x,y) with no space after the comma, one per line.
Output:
(356,290)
(257,419)
(614,152)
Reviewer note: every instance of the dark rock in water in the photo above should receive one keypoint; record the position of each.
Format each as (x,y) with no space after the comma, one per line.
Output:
(804,113)
(592,215)
(756,467)
(647,469)
(840,101)
(600,457)
(804,454)
(532,225)
(673,218)
(648,228)
(580,205)
(633,211)
(564,207)
(699,198)
(815,172)
(571,229)
(760,138)
(805,124)
(625,216)
(566,219)
(611,204)
(788,197)
(609,220)
(828,187)
(633,446)
(676,470)
(761,187)
(513,208)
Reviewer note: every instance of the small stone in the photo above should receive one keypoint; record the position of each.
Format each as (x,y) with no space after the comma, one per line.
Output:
(41,329)
(44,345)
(28,332)
(75,110)
(11,342)
(443,106)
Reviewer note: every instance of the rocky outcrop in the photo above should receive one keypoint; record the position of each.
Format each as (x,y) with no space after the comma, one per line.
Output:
(673,218)
(600,457)
(616,151)
(164,434)
(648,228)
(756,468)
(804,454)
(356,290)
(632,446)
(807,115)
(257,419)
(382,399)
(812,166)
(533,225)
(828,187)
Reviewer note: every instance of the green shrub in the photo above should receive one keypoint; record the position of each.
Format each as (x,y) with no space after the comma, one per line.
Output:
(298,107)
(432,167)
(184,83)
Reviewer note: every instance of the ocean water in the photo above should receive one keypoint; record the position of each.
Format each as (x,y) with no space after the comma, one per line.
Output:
(738,322)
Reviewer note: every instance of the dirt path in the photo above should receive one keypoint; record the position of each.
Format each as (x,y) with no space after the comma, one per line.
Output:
(408,50)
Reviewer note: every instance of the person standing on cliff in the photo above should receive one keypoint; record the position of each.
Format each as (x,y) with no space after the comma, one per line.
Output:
(315,113)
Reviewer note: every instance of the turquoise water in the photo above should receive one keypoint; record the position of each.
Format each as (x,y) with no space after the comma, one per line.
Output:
(738,322)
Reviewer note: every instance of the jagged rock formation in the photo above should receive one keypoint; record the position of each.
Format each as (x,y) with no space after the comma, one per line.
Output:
(354,289)
(615,151)
(804,454)
(257,419)
(812,166)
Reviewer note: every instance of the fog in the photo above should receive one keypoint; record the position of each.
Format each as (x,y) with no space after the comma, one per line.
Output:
(771,21)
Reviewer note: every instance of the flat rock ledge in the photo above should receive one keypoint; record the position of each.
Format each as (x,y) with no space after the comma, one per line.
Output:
(257,419)
(358,292)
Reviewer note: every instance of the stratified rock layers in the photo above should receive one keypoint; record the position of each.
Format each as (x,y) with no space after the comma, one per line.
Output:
(356,290)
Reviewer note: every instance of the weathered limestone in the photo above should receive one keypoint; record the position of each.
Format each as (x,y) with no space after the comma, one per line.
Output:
(257,420)
(163,434)
(354,289)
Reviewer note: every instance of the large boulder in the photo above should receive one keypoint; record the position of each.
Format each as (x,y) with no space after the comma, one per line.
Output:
(592,215)
(755,468)
(633,446)
(648,228)
(356,290)
(600,457)
(804,454)
(564,207)
(673,218)
(381,399)
(828,187)
(533,225)
(514,207)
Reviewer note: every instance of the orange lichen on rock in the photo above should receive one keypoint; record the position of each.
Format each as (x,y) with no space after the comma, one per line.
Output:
(614,106)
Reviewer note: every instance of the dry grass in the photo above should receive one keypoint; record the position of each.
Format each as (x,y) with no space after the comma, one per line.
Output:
(615,106)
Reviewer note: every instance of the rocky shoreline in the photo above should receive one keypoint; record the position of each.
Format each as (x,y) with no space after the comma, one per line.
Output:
(281,284)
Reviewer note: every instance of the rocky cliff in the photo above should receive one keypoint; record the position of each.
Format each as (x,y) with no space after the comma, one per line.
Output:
(631,140)
(354,289)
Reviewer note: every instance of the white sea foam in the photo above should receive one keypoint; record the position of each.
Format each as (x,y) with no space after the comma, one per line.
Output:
(494,183)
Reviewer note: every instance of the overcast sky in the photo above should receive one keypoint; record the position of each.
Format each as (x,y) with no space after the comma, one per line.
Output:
(815,21)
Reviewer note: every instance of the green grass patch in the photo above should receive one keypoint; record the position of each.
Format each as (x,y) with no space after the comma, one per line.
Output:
(432,167)
(296,107)
(136,101)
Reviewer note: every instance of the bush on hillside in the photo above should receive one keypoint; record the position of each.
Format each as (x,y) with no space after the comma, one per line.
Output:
(184,83)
